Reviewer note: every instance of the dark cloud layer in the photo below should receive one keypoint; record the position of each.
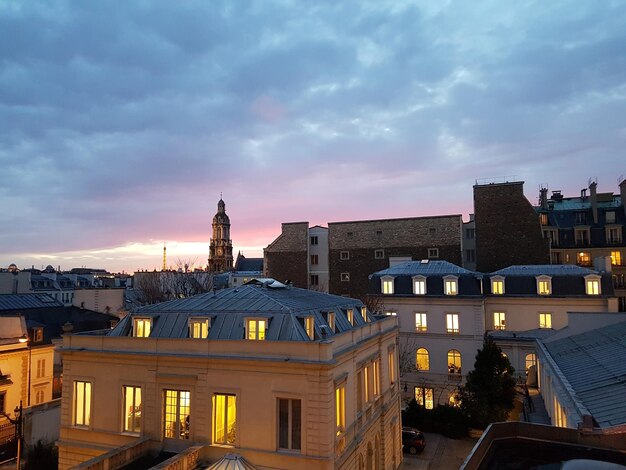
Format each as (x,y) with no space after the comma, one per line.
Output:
(121,122)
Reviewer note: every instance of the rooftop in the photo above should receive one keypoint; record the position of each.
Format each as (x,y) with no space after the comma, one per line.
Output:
(424,267)
(544,269)
(27,301)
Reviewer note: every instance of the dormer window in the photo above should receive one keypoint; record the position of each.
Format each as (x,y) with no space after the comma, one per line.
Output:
(386,285)
(330,319)
(450,285)
(199,328)
(544,285)
(497,285)
(350,316)
(309,326)
(142,327)
(37,334)
(364,314)
(255,328)
(592,284)
(419,285)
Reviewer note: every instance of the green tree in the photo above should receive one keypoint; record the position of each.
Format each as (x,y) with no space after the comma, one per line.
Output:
(489,391)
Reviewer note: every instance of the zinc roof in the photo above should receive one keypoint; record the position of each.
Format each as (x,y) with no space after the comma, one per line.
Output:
(544,269)
(594,363)
(424,267)
(27,301)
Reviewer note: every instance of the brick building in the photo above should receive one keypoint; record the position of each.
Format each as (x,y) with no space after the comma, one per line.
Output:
(507,227)
(357,249)
(286,257)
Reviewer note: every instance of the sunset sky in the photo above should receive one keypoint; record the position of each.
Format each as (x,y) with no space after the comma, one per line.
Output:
(121,122)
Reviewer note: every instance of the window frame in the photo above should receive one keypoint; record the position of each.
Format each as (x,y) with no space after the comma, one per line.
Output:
(421,326)
(544,281)
(344,255)
(345,277)
(314,240)
(449,282)
(387,285)
(453,368)
(497,285)
(593,284)
(128,414)
(433,253)
(379,254)
(201,322)
(224,420)
(547,320)
(419,285)
(86,413)
(257,321)
(139,325)
(451,320)
(340,408)
(426,398)
(291,428)
(424,355)
(499,320)
(314,260)
(309,326)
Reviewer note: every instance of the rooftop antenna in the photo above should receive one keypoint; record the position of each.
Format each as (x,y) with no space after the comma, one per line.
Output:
(164,257)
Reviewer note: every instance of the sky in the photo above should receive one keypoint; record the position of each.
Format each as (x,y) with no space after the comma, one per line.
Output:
(122,122)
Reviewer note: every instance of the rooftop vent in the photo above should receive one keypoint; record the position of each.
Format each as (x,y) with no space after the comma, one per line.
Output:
(424,261)
(556,195)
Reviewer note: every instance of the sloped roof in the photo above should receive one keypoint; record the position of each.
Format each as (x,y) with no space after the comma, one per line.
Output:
(544,269)
(27,301)
(284,306)
(425,268)
(594,363)
(231,462)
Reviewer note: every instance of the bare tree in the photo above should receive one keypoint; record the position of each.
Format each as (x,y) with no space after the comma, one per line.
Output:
(407,347)
(374,304)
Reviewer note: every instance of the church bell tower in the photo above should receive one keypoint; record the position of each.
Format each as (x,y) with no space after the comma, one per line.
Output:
(221,250)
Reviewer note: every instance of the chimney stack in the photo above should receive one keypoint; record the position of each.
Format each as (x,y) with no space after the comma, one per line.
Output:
(622,193)
(594,201)
(543,198)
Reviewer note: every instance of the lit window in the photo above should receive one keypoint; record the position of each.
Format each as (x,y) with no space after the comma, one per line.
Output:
(132,409)
(391,360)
(420,322)
(450,285)
(544,285)
(387,285)
(350,316)
(309,325)
(379,254)
(419,285)
(453,400)
(344,255)
(256,328)
(544,219)
(176,414)
(330,319)
(433,252)
(289,424)
(340,409)
(424,397)
(592,285)
(364,314)
(616,258)
(224,419)
(545,320)
(499,321)
(199,328)
(531,360)
(583,258)
(452,322)
(391,313)
(141,327)
(454,362)
(422,359)
(497,285)
(82,403)
(37,335)
(345,277)
(376,372)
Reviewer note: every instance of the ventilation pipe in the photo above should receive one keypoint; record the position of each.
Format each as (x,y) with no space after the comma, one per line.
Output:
(594,201)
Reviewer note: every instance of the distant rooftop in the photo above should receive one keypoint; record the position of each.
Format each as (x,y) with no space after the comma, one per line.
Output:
(27,301)
(545,269)
(424,267)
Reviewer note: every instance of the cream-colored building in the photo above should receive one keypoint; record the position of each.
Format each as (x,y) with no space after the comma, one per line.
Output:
(25,367)
(285,377)
(444,311)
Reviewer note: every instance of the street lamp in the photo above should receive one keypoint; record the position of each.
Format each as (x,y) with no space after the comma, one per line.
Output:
(17,422)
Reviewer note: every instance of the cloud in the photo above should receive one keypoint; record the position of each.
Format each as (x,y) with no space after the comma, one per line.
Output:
(121,123)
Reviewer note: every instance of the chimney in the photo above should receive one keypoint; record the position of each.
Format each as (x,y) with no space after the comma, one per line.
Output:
(583,194)
(543,198)
(594,201)
(622,193)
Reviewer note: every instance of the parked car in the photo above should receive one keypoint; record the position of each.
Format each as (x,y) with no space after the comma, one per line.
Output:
(413,441)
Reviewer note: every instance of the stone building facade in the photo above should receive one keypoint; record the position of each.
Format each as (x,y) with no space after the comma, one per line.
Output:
(221,249)
(507,226)
(357,249)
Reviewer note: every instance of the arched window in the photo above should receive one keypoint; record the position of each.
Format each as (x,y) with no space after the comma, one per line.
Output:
(531,360)
(422,359)
(454,362)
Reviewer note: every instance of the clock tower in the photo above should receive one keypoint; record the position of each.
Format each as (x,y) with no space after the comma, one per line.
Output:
(221,251)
